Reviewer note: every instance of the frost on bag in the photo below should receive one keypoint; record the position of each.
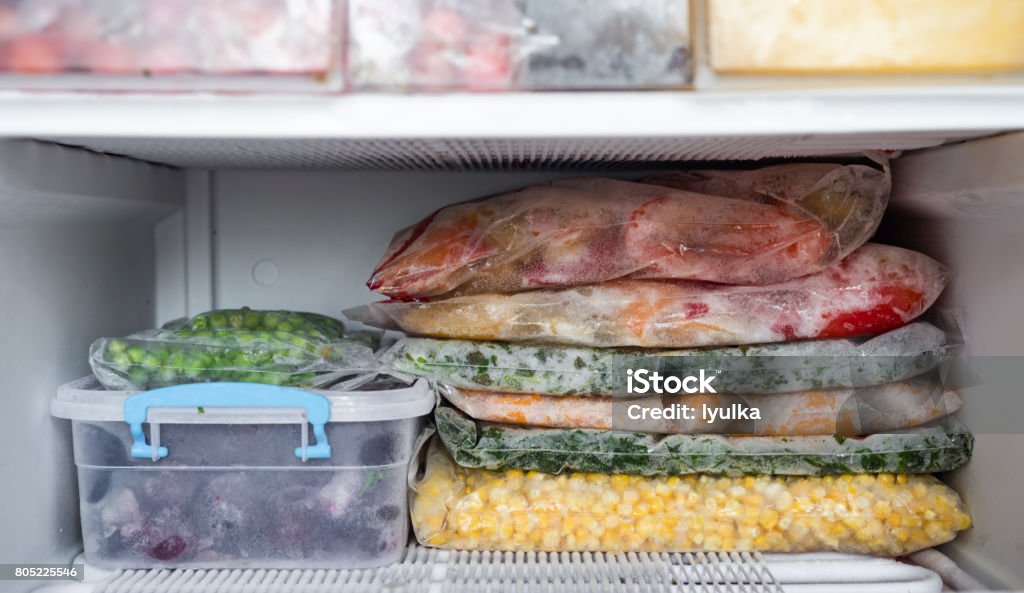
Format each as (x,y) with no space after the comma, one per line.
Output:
(586,230)
(876,289)
(889,515)
(928,449)
(518,44)
(154,38)
(274,347)
(766,368)
(866,410)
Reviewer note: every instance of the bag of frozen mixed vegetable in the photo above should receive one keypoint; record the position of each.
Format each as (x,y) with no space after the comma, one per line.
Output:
(459,508)
(876,289)
(939,447)
(765,368)
(773,225)
(865,410)
(274,347)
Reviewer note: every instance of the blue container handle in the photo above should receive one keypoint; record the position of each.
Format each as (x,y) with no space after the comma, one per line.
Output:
(228,395)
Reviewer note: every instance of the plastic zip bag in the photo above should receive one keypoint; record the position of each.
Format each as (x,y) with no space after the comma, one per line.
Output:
(275,347)
(768,368)
(485,445)
(866,410)
(876,289)
(889,515)
(517,44)
(586,230)
(156,38)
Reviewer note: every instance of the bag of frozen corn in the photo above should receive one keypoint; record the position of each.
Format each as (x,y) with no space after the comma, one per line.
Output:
(876,289)
(866,410)
(459,508)
(764,368)
(768,226)
(485,445)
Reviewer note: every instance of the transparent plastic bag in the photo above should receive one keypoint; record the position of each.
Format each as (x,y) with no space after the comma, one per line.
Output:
(940,447)
(888,515)
(865,410)
(768,368)
(586,230)
(876,289)
(156,38)
(517,44)
(275,347)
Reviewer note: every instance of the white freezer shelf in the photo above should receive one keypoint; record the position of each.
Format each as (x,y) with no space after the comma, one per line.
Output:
(466,130)
(425,570)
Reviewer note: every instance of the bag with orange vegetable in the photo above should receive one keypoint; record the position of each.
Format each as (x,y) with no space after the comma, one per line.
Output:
(875,289)
(867,410)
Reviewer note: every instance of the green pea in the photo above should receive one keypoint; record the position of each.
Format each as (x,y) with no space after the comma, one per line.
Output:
(136,354)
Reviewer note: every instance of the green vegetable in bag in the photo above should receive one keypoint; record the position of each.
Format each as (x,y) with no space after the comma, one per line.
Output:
(273,347)
(937,447)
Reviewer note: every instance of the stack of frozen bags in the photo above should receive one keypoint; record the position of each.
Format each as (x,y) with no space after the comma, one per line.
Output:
(536,310)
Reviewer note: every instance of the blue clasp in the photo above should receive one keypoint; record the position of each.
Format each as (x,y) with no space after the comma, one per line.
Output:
(227,395)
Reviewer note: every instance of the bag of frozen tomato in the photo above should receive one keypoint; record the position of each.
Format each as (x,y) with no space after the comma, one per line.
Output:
(273,347)
(766,226)
(876,289)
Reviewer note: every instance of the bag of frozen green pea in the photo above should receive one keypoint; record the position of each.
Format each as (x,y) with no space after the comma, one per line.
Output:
(244,345)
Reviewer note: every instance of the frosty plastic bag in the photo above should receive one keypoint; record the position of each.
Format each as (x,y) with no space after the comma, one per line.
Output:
(156,38)
(866,410)
(586,230)
(471,509)
(517,44)
(876,289)
(485,445)
(768,368)
(275,347)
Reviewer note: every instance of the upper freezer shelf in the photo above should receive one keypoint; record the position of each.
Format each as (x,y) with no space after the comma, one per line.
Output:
(495,45)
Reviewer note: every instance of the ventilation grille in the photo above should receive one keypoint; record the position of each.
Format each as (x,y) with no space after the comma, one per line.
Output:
(469,154)
(432,571)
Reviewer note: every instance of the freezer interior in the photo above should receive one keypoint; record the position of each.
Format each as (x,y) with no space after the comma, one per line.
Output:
(105,238)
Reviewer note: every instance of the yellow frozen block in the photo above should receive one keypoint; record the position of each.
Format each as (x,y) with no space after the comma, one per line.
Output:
(867,514)
(881,36)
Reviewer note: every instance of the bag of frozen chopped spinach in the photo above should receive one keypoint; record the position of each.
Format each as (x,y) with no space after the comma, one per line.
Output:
(937,447)
(767,368)
(245,345)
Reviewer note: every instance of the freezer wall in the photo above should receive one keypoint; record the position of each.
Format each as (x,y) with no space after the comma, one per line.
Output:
(76,259)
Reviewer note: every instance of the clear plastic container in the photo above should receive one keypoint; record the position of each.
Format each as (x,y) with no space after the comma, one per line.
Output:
(171,45)
(223,475)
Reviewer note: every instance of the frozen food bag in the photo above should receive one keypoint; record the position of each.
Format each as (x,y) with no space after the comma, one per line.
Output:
(275,347)
(152,39)
(766,368)
(865,410)
(460,508)
(921,450)
(613,44)
(880,36)
(493,45)
(586,230)
(876,289)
